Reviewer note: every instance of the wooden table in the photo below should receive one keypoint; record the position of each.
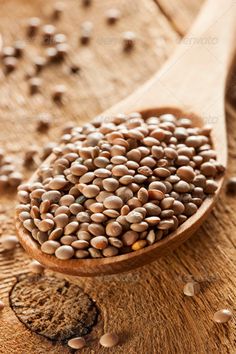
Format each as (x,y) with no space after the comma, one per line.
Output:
(147,307)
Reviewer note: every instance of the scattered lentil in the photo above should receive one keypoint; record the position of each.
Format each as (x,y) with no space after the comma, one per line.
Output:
(9,242)
(48,34)
(35,84)
(113,15)
(10,64)
(99,242)
(231,185)
(191,288)
(109,340)
(86,32)
(36,267)
(77,343)
(58,10)
(222,316)
(44,121)
(33,26)
(62,51)
(19,47)
(129,40)
(58,93)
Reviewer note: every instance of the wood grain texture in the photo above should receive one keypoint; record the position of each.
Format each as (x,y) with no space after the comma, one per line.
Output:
(146,307)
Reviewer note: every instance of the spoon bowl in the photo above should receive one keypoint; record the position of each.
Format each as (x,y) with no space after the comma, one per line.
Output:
(186,88)
(132,260)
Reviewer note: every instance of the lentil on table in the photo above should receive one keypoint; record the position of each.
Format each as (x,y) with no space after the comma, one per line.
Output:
(118,186)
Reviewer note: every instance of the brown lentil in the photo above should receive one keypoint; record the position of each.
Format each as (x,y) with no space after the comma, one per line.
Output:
(128,40)
(61,220)
(58,93)
(113,228)
(86,32)
(9,242)
(109,340)
(114,241)
(64,252)
(110,251)
(19,47)
(113,202)
(99,242)
(44,121)
(110,184)
(208,169)
(231,185)
(124,193)
(81,254)
(46,225)
(77,343)
(222,316)
(36,267)
(112,15)
(50,246)
(186,173)
(57,10)
(10,64)
(210,187)
(48,33)
(191,288)
(33,25)
(111,213)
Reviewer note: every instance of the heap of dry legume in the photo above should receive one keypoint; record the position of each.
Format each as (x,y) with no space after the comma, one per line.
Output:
(118,186)
(9,177)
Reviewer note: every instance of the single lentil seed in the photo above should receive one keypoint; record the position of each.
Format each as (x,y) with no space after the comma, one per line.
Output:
(231,185)
(64,252)
(99,242)
(191,288)
(109,340)
(36,267)
(9,242)
(222,316)
(77,343)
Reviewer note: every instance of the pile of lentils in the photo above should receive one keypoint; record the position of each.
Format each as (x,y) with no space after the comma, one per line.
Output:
(119,185)
(9,176)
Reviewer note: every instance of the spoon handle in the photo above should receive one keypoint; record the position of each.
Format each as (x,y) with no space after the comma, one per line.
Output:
(194,77)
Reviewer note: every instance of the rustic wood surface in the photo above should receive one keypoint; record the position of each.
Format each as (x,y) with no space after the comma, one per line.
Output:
(146,307)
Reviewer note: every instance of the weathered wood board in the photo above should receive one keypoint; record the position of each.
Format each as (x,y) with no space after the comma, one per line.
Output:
(146,307)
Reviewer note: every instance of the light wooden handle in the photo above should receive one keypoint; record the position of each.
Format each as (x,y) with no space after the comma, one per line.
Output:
(214,31)
(195,75)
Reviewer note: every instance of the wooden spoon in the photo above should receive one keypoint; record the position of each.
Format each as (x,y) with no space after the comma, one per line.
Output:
(191,83)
